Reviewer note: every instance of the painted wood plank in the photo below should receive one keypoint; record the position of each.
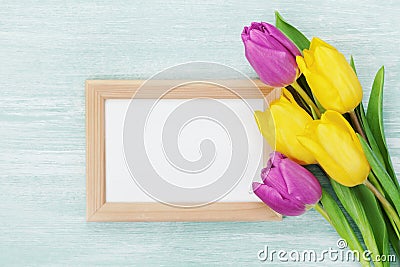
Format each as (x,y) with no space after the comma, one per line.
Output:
(49,49)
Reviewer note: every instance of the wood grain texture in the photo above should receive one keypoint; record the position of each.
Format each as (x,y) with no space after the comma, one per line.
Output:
(47,51)
(155,212)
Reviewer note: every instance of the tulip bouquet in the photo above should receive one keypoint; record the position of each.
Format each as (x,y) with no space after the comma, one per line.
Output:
(319,121)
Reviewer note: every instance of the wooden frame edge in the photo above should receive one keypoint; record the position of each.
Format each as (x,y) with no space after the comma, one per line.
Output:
(157,212)
(98,210)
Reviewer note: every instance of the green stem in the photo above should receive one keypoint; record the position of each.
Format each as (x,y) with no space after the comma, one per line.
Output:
(323,212)
(357,124)
(375,182)
(392,214)
(306,98)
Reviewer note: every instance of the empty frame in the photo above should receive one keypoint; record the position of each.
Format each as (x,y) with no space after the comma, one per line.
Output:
(137,134)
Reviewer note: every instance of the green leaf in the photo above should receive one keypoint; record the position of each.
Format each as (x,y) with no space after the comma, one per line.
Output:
(375,121)
(381,174)
(392,237)
(375,218)
(353,66)
(369,134)
(354,207)
(342,226)
(390,221)
(291,32)
(360,112)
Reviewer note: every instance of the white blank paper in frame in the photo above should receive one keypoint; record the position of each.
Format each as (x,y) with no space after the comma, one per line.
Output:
(121,187)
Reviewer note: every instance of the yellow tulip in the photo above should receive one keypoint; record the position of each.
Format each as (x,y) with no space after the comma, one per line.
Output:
(336,148)
(281,123)
(330,77)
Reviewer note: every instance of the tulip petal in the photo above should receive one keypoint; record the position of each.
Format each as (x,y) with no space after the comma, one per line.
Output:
(326,94)
(282,39)
(342,151)
(324,159)
(288,96)
(317,42)
(302,65)
(301,184)
(290,121)
(344,75)
(309,58)
(353,167)
(334,155)
(274,178)
(336,118)
(266,41)
(271,197)
(245,34)
(274,158)
(330,77)
(271,54)
(310,130)
(275,68)
(266,126)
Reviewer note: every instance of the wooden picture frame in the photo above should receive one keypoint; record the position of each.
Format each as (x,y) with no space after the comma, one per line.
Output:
(97,92)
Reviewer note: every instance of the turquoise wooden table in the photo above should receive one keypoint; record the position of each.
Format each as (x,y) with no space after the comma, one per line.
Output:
(49,48)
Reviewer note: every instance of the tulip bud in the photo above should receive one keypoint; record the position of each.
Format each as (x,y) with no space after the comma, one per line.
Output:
(280,125)
(330,77)
(288,188)
(336,148)
(271,54)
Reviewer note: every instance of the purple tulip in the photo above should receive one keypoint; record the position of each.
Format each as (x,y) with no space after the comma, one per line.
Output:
(288,188)
(271,54)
